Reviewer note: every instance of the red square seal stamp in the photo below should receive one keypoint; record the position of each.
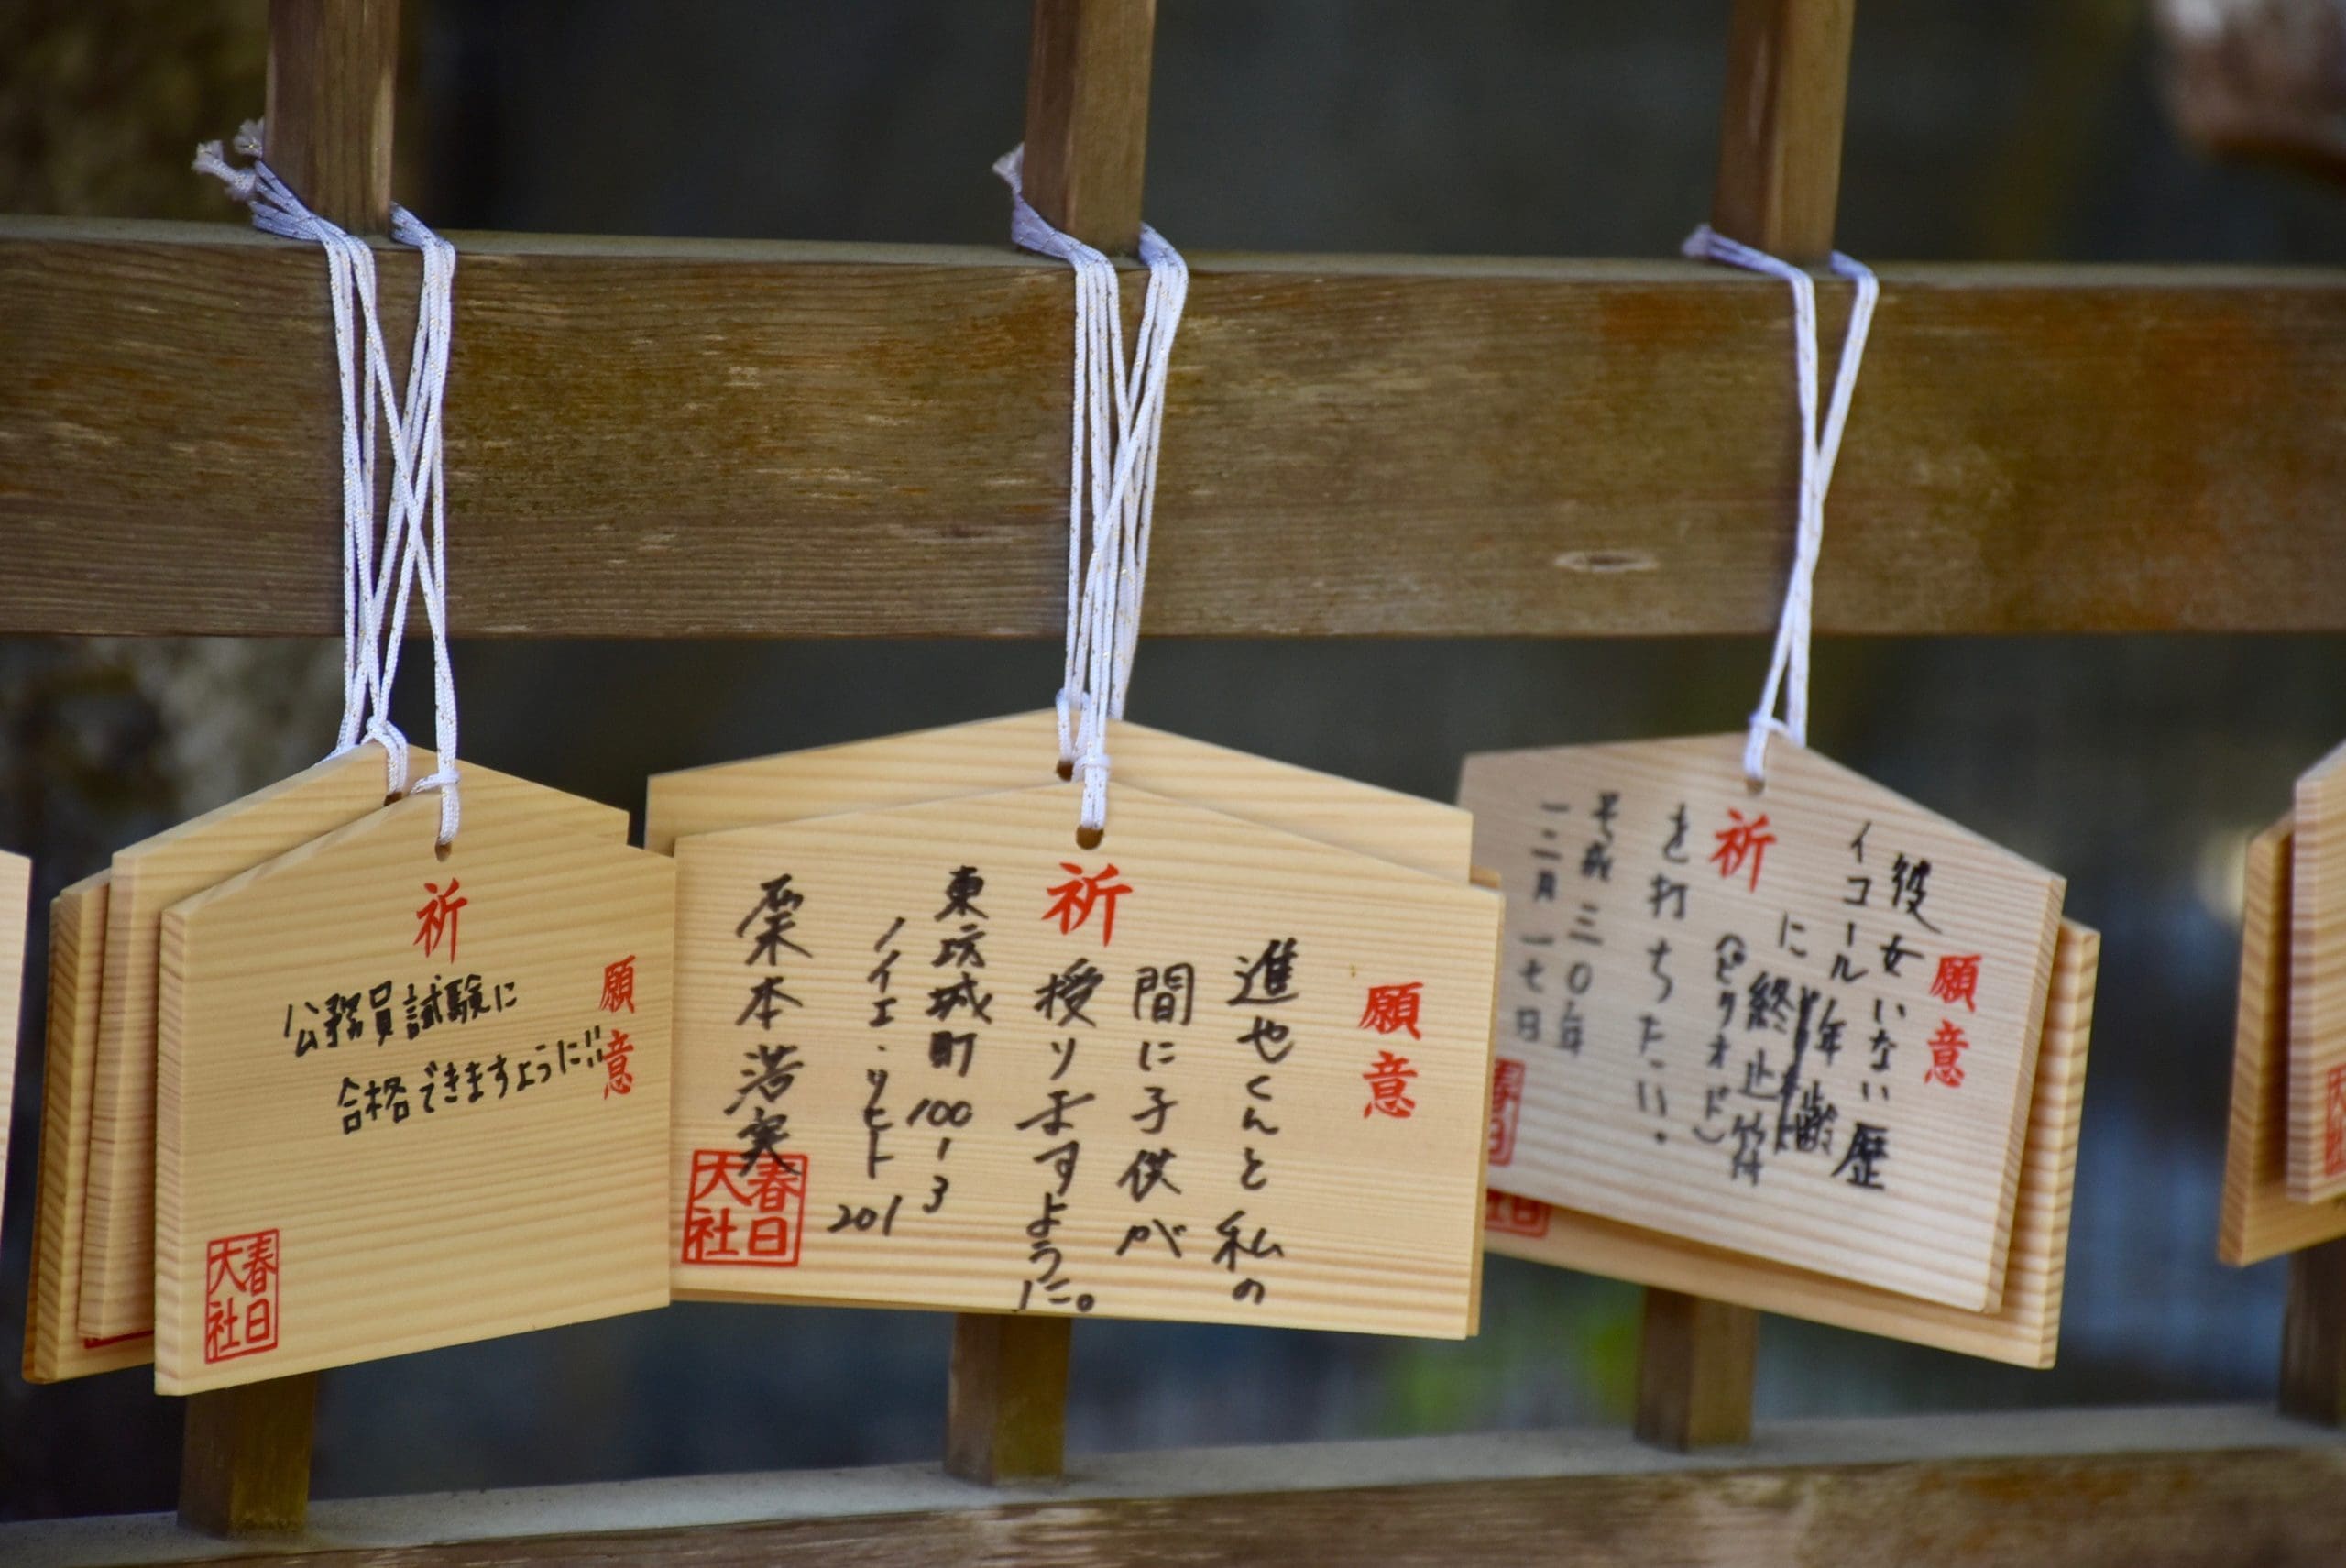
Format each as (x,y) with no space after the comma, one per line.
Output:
(1506,1103)
(738,1211)
(1516,1216)
(240,1278)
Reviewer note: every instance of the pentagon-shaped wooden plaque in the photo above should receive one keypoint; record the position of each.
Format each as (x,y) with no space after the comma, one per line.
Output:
(407,1099)
(1271,1111)
(1801,1024)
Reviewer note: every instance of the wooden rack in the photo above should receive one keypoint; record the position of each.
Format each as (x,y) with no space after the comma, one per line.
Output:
(1434,446)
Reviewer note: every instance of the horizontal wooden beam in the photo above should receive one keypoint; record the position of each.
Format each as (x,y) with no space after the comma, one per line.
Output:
(664,438)
(2209,1487)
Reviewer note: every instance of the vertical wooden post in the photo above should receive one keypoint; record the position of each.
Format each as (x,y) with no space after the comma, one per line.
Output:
(1087,116)
(331,66)
(2313,1336)
(1779,124)
(1695,1359)
(1087,147)
(246,1466)
(1006,1413)
(245,1463)
(1779,180)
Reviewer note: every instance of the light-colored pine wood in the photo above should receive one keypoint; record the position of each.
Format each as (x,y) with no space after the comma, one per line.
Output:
(2318,984)
(2023,1330)
(1367,1206)
(1436,447)
(1087,116)
(540,1201)
(119,1266)
(244,1458)
(2259,1220)
(15,897)
(1779,124)
(1020,751)
(332,68)
(54,1347)
(1679,1104)
(1697,1358)
(1005,1414)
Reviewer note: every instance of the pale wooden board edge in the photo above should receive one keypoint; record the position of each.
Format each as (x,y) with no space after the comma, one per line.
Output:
(2259,1220)
(2021,1338)
(54,1347)
(15,909)
(2317,1021)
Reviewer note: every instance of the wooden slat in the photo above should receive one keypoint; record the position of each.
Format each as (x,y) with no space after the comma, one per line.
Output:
(1696,1360)
(675,438)
(245,1470)
(1779,124)
(331,67)
(1005,1417)
(1086,117)
(2313,1336)
(2121,1488)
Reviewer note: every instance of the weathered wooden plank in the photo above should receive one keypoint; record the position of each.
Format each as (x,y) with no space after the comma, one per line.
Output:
(674,438)
(1779,124)
(1087,116)
(331,64)
(2210,1487)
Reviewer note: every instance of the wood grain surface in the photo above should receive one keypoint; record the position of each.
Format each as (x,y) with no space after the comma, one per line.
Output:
(805,440)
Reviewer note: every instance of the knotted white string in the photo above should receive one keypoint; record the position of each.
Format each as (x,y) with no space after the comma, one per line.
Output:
(410,554)
(1114,441)
(1788,670)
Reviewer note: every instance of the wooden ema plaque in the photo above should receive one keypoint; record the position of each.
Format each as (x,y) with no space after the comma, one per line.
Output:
(937,1056)
(2260,1220)
(2023,1330)
(2317,984)
(118,1265)
(406,1101)
(55,1348)
(1801,1024)
(1020,751)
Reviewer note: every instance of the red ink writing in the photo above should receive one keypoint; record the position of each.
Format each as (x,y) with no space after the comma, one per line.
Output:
(1740,841)
(618,986)
(1074,899)
(1506,1103)
(1391,1008)
(2333,1131)
(621,1076)
(1946,1049)
(1516,1216)
(1958,980)
(1389,1087)
(437,919)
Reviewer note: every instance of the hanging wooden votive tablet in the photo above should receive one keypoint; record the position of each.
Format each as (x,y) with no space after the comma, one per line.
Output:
(1801,1025)
(15,896)
(408,1098)
(118,1259)
(2259,1218)
(2317,984)
(1209,1070)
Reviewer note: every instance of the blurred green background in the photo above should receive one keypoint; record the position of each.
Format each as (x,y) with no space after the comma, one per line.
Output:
(1984,130)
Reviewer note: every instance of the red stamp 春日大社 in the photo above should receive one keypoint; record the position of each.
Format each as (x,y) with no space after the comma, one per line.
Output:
(240,1278)
(738,1212)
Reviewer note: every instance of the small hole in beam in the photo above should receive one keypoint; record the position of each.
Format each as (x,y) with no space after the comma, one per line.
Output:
(1089,838)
